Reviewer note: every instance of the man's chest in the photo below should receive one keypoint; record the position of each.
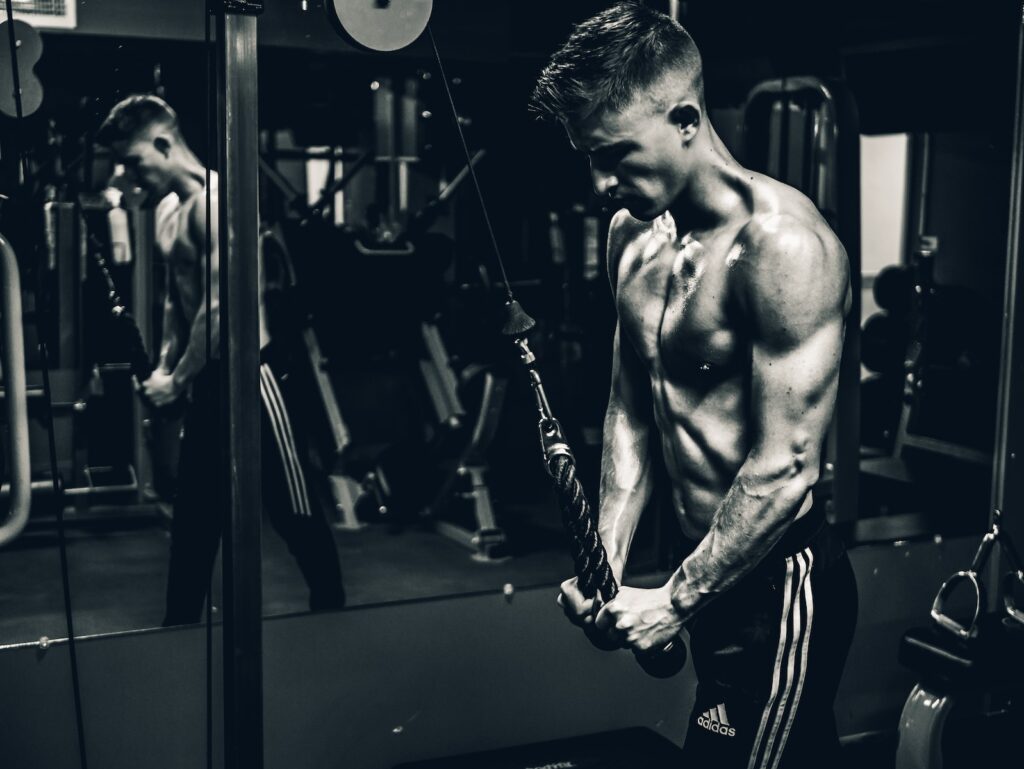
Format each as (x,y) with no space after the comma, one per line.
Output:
(174,241)
(674,302)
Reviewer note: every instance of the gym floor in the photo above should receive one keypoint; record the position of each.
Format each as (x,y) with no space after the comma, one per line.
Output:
(118,571)
(117,565)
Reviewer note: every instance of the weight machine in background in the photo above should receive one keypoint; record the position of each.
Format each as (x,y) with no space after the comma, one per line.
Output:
(370,270)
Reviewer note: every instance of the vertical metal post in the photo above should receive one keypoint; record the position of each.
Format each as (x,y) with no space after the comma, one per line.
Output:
(239,333)
(387,151)
(1007,489)
(143,229)
(922,200)
(846,483)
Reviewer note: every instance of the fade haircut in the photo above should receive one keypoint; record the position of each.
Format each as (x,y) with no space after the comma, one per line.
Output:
(610,58)
(135,114)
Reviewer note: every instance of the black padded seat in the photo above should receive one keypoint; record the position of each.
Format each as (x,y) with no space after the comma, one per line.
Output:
(992,659)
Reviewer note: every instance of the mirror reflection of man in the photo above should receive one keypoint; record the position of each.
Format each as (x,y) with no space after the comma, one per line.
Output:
(142,132)
(731,293)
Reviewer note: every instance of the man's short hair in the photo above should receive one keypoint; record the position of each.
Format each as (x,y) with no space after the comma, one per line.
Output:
(610,58)
(135,114)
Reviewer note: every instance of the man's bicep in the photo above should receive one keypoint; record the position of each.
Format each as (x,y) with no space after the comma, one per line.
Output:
(205,241)
(795,294)
(792,395)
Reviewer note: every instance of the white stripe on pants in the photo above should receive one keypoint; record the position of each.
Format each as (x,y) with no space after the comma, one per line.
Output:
(790,664)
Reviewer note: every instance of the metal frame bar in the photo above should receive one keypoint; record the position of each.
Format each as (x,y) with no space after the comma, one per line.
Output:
(1006,485)
(238,217)
(143,236)
(17,405)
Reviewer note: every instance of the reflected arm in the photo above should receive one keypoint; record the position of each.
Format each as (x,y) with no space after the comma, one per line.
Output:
(170,332)
(207,320)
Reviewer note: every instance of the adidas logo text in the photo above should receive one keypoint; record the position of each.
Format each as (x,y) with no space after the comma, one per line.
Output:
(715,720)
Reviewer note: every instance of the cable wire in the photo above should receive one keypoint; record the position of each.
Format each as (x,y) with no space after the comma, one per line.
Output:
(58,495)
(469,164)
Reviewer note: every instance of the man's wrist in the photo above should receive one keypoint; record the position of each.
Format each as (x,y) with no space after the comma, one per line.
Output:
(179,381)
(686,599)
(616,564)
(168,360)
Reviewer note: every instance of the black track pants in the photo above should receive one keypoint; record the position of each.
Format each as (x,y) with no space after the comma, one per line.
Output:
(199,514)
(769,655)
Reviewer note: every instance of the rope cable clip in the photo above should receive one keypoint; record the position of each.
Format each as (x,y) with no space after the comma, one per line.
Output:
(552,437)
(552,441)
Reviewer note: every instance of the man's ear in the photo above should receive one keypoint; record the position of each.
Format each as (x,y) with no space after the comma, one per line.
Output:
(686,116)
(162,144)
(571,134)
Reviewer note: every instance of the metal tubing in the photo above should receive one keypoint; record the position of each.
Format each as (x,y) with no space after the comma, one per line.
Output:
(17,405)
(921,723)
(240,342)
(925,177)
(1006,489)
(46,487)
(143,236)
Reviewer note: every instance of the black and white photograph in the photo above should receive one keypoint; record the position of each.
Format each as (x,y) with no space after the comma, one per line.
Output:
(511,384)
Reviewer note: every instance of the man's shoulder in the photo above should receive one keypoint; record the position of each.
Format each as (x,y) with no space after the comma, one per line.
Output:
(792,259)
(167,205)
(791,239)
(196,204)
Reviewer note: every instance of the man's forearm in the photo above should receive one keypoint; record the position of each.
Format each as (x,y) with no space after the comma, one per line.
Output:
(170,344)
(170,330)
(751,519)
(626,484)
(195,354)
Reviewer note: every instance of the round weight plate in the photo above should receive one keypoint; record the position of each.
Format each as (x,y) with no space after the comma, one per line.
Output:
(380,25)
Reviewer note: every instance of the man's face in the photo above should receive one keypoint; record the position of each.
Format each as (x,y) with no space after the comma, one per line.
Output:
(146,164)
(637,157)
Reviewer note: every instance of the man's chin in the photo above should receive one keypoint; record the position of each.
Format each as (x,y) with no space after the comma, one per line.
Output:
(643,210)
(154,195)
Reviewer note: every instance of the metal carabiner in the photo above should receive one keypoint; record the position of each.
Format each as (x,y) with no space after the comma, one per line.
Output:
(541,397)
(552,441)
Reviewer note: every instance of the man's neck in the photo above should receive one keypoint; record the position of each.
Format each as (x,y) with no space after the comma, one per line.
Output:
(190,179)
(713,192)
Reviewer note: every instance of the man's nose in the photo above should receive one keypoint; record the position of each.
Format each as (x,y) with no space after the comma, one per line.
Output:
(604,181)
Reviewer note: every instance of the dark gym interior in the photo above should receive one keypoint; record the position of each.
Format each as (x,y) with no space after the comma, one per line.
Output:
(367,186)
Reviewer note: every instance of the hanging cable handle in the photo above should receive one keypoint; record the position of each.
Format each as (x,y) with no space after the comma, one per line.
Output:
(590,560)
(972,577)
